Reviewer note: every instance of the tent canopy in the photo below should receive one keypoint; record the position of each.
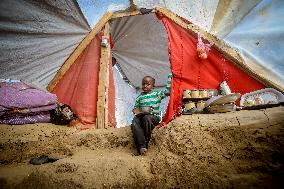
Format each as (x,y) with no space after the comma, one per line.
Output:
(37,36)
(36,42)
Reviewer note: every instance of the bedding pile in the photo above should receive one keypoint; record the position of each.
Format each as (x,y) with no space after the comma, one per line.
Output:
(22,103)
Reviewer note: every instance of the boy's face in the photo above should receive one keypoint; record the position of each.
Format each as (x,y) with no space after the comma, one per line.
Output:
(147,84)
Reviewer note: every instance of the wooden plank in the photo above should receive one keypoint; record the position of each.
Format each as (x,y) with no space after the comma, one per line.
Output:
(106,77)
(80,48)
(220,45)
(107,89)
(125,13)
(102,103)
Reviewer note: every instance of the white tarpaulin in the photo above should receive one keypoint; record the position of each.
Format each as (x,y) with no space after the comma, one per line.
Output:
(228,14)
(36,38)
(124,100)
(260,39)
(200,12)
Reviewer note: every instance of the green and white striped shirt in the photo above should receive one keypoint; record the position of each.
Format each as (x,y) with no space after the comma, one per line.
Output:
(154,98)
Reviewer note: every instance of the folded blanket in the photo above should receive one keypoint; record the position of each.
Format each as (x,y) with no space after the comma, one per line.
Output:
(6,111)
(21,103)
(19,119)
(20,95)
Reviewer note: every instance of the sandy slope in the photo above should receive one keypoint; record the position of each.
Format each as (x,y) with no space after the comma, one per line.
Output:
(234,150)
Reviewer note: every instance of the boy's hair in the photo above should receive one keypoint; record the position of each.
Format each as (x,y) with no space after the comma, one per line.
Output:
(152,79)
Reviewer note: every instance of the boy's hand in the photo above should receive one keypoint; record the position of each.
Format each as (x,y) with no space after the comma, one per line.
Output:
(136,111)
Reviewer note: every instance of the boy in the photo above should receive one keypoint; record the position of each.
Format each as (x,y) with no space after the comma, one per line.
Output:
(143,125)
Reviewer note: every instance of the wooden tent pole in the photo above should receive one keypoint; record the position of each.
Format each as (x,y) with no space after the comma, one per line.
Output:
(125,14)
(77,52)
(103,88)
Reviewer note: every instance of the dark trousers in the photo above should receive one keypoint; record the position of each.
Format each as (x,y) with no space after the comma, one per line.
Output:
(142,127)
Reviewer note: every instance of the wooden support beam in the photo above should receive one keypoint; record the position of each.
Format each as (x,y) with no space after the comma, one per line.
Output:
(220,45)
(103,88)
(125,13)
(80,48)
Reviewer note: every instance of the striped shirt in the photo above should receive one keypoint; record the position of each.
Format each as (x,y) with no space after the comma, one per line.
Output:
(154,98)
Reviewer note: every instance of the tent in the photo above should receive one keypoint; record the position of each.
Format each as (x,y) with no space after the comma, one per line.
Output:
(51,43)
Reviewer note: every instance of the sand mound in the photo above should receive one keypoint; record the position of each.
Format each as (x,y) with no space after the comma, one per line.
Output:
(232,150)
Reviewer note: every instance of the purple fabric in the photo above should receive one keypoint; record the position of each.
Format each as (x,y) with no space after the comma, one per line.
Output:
(23,104)
(20,95)
(19,119)
(2,109)
(28,110)
(42,108)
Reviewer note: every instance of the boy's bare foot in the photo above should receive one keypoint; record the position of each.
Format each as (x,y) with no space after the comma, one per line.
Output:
(143,151)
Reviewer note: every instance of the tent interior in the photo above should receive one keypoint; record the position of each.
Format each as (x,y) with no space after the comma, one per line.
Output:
(140,48)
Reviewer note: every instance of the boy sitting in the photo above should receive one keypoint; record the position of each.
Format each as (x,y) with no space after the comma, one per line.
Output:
(142,125)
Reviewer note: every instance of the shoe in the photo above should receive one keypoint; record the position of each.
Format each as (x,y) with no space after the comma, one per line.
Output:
(143,151)
(39,160)
(42,159)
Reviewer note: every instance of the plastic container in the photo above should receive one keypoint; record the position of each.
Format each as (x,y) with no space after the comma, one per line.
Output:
(203,93)
(225,89)
(187,94)
(194,93)
(189,105)
(200,105)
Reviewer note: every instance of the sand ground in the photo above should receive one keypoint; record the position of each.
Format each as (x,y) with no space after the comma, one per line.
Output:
(243,149)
